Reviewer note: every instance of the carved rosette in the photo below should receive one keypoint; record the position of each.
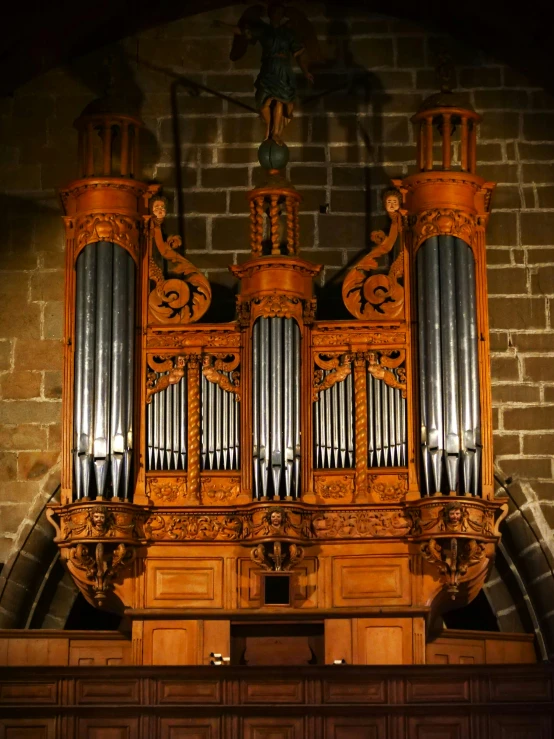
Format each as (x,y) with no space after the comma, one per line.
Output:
(388,488)
(167,489)
(216,490)
(448,221)
(334,488)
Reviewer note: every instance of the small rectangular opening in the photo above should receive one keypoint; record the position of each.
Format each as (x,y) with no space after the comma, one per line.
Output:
(276,589)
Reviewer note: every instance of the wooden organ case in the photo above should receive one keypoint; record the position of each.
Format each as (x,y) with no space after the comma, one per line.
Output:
(278,489)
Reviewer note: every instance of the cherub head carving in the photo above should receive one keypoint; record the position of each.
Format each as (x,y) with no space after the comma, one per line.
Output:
(158,207)
(392,201)
(275,518)
(99,518)
(453,515)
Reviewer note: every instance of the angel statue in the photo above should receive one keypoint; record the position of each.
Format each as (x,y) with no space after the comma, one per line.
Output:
(289,35)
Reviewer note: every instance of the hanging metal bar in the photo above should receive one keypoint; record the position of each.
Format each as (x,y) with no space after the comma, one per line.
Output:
(296,349)
(119,378)
(276,403)
(433,357)
(183,421)
(474,363)
(288,393)
(264,404)
(350,421)
(104,293)
(449,359)
(422,339)
(342,421)
(80,309)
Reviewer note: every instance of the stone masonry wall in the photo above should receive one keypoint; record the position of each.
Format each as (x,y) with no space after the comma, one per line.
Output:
(344,148)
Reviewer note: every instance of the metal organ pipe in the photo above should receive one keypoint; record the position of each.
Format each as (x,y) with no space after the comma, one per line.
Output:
(166,427)
(449,376)
(104,342)
(276,407)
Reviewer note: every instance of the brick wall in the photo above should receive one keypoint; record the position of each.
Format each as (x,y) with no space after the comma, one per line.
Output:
(344,148)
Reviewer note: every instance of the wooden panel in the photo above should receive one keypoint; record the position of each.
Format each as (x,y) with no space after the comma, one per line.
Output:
(107,691)
(28,728)
(383,641)
(437,690)
(272,691)
(43,692)
(170,643)
(364,581)
(356,728)
(303,584)
(438,727)
(507,651)
(361,691)
(96,653)
(507,688)
(189,691)
(108,728)
(338,640)
(521,727)
(37,651)
(189,728)
(456,652)
(188,583)
(216,639)
(277,650)
(273,728)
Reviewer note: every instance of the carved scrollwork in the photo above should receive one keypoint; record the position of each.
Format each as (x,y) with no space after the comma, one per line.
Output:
(113,227)
(182,299)
(380,364)
(339,368)
(156,382)
(221,370)
(178,341)
(341,338)
(219,489)
(453,558)
(436,221)
(277,556)
(96,567)
(377,296)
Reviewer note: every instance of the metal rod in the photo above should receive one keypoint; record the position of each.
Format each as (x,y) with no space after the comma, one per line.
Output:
(475,398)
(204,399)
(85,448)
(288,391)
(343,421)
(433,357)
(422,347)
(449,359)
(256,407)
(119,377)
(264,404)
(129,370)
(80,308)
(211,425)
(102,380)
(218,426)
(350,420)
(276,390)
(296,349)
(335,418)
(378,423)
(183,421)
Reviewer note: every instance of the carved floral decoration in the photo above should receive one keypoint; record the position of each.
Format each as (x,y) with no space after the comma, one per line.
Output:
(167,489)
(95,567)
(113,227)
(388,488)
(334,487)
(453,557)
(449,221)
(221,369)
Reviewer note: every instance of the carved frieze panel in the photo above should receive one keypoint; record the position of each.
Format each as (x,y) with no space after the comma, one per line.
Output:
(113,227)
(448,221)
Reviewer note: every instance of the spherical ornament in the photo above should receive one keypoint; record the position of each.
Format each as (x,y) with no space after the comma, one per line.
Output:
(272,155)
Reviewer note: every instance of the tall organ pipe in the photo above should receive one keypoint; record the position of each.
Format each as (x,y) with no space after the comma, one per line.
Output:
(104,338)
(276,407)
(449,378)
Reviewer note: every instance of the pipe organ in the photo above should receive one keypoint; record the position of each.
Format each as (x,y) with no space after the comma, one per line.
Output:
(328,478)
